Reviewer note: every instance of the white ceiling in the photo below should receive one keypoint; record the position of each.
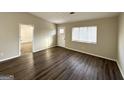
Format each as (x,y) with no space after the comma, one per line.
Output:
(65,17)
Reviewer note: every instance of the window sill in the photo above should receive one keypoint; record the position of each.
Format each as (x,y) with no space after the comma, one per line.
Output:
(85,42)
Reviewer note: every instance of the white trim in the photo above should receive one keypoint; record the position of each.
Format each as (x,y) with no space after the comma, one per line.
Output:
(19,55)
(91,54)
(20,38)
(44,49)
(59,34)
(33,39)
(73,50)
(81,41)
(122,73)
(84,42)
(9,58)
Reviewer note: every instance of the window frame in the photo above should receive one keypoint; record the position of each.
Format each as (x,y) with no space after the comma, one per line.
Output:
(81,41)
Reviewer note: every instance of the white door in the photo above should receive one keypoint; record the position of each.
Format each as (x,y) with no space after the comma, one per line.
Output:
(61,37)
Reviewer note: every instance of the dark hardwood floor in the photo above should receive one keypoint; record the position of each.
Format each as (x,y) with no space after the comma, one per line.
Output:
(26,48)
(60,64)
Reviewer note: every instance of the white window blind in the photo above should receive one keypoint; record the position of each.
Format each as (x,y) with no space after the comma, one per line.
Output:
(85,34)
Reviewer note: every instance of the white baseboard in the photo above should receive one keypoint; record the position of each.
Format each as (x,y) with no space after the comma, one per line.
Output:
(19,55)
(73,50)
(43,49)
(9,58)
(122,73)
(91,54)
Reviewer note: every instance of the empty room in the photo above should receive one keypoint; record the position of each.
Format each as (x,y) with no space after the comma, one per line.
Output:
(61,45)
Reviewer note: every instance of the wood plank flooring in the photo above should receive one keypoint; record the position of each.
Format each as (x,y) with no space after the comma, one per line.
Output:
(26,48)
(60,64)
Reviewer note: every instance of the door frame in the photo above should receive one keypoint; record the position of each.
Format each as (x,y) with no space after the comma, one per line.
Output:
(58,36)
(20,38)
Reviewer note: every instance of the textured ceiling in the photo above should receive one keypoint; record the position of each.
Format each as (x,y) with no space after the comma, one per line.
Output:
(65,17)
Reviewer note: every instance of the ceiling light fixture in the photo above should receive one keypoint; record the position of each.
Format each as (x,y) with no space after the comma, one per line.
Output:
(72,13)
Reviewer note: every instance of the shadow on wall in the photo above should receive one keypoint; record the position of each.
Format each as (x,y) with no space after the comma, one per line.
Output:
(50,40)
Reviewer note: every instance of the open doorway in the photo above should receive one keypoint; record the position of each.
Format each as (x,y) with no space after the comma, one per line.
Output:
(61,36)
(26,39)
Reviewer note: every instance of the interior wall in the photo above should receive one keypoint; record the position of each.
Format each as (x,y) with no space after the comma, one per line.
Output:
(44,33)
(121,43)
(26,33)
(106,37)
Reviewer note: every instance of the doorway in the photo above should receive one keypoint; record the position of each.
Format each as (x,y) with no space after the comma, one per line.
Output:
(61,36)
(26,39)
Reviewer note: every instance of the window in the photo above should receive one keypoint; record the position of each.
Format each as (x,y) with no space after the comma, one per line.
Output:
(61,30)
(85,34)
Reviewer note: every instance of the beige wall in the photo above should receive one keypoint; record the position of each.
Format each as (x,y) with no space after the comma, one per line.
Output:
(121,43)
(44,33)
(106,35)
